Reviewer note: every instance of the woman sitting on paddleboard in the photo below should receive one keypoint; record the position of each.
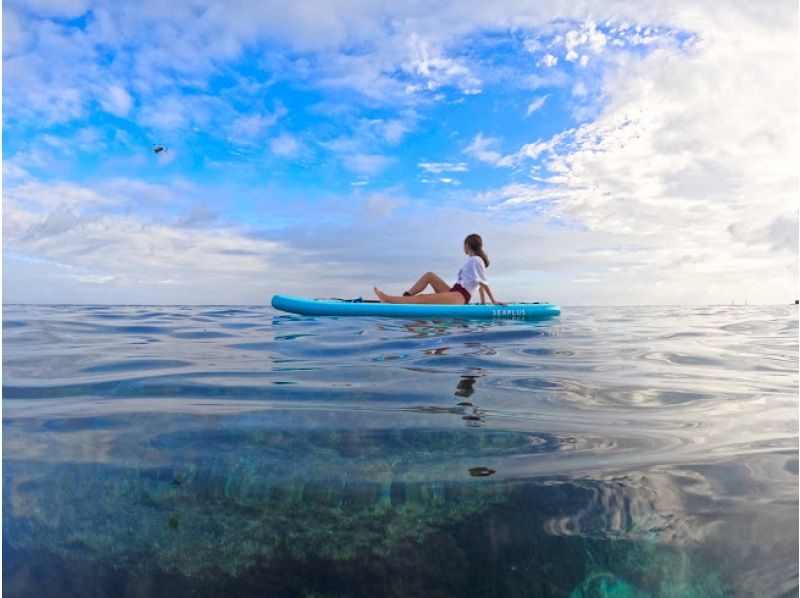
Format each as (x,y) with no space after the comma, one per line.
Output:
(471,278)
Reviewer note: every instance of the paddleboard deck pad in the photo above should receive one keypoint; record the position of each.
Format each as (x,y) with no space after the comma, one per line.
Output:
(358,307)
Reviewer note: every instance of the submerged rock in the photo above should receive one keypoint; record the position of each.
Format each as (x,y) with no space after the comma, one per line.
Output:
(479,472)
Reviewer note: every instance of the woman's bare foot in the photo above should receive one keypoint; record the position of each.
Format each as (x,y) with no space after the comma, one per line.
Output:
(380,294)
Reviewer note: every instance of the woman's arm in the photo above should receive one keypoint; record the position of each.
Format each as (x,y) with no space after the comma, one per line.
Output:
(485,287)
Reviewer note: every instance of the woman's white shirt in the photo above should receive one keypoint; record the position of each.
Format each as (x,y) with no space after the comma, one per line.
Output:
(472,274)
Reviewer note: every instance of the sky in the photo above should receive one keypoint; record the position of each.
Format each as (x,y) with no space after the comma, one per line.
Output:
(609,153)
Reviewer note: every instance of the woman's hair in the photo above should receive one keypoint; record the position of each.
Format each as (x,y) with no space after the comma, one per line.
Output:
(475,243)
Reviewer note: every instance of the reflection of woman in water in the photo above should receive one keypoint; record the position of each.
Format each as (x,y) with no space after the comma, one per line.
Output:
(471,278)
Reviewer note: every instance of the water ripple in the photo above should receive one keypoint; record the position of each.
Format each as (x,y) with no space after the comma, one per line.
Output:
(672,430)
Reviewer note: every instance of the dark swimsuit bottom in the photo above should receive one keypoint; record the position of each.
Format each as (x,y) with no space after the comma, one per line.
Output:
(463,291)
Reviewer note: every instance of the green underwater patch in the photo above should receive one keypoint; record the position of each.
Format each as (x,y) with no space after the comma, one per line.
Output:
(236,505)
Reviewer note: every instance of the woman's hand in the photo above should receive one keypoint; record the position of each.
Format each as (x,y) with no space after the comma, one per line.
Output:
(485,287)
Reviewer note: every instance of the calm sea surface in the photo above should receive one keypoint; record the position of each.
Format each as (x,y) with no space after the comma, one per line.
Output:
(202,451)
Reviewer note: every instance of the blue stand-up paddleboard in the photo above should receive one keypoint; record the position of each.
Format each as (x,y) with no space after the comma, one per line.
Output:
(357,307)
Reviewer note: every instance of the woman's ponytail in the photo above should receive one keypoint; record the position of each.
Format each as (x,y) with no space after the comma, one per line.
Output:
(475,243)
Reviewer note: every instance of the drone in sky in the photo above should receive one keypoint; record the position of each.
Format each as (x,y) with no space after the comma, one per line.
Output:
(159,148)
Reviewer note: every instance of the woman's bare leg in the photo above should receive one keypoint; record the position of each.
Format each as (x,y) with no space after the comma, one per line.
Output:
(429,278)
(446,298)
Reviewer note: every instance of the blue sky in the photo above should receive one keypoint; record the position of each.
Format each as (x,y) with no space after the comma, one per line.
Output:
(607,155)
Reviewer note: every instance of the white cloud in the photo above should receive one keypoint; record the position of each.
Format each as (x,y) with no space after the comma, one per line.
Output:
(363,151)
(43,71)
(73,236)
(513,195)
(380,51)
(367,163)
(16,35)
(38,197)
(481,149)
(13,174)
(380,206)
(429,62)
(549,60)
(364,74)
(780,233)
(66,9)
(587,36)
(378,131)
(441,180)
(117,101)
(550,78)
(579,90)
(285,146)
(175,112)
(86,139)
(705,180)
(532,45)
(252,127)
(537,148)
(536,104)
(393,131)
(439,167)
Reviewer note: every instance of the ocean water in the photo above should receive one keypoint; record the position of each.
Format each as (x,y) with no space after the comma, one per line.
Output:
(217,451)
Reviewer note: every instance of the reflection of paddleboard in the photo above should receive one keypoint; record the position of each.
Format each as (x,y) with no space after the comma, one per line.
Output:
(341,307)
